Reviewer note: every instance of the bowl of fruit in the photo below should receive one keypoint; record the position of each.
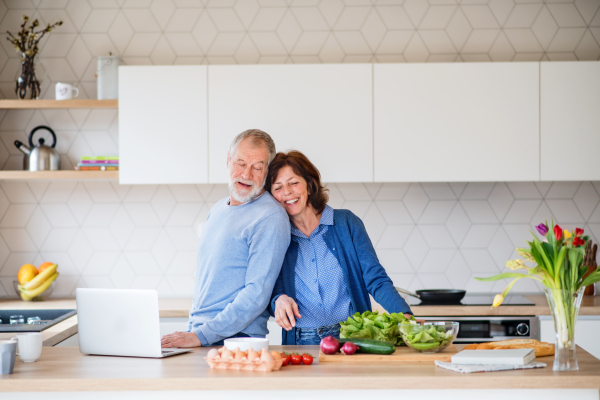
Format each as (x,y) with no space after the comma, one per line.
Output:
(428,337)
(36,284)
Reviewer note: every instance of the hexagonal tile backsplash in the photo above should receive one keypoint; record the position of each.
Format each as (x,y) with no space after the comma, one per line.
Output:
(427,235)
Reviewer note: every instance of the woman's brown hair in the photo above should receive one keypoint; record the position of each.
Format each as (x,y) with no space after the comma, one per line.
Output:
(301,166)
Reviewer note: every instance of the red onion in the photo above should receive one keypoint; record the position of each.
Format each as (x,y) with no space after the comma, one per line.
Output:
(330,345)
(349,348)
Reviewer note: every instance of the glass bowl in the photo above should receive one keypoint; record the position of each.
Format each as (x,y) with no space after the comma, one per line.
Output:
(41,297)
(430,337)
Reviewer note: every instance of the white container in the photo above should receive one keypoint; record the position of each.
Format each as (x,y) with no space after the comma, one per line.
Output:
(108,77)
(247,343)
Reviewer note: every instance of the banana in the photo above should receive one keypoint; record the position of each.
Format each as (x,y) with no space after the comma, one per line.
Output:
(39,278)
(30,294)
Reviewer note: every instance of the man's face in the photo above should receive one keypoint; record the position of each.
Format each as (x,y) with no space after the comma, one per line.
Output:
(247,171)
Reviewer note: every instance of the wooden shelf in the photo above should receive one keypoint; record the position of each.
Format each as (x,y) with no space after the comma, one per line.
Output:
(51,175)
(76,103)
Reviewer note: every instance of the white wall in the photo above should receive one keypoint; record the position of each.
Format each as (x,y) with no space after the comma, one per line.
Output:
(427,235)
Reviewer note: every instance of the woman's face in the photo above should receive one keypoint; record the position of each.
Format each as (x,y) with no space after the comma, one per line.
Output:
(290,190)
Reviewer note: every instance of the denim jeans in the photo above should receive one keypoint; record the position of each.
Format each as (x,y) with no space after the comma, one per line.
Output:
(313,336)
(220,342)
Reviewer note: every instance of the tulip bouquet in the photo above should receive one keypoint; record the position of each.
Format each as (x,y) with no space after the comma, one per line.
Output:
(559,258)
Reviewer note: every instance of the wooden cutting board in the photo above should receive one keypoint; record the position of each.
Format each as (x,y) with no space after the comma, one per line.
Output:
(402,354)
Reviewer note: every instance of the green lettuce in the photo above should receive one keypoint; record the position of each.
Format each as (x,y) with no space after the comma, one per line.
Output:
(372,325)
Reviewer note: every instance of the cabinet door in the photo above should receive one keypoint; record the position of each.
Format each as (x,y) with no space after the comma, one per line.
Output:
(570,121)
(586,330)
(324,111)
(456,122)
(163,124)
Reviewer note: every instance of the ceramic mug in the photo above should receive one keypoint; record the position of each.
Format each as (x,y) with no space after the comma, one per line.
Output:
(64,91)
(29,346)
(8,350)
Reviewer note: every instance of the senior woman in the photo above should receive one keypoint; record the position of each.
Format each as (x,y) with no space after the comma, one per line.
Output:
(330,267)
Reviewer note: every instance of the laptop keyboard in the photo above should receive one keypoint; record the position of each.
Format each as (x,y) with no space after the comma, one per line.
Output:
(166,351)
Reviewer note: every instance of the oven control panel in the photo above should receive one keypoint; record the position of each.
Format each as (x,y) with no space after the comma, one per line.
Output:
(487,329)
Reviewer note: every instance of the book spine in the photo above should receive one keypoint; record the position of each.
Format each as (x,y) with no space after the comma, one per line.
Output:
(96,168)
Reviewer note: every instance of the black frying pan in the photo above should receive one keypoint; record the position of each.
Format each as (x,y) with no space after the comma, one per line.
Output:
(436,296)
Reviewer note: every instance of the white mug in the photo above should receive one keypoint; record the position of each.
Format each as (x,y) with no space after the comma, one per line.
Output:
(64,91)
(29,346)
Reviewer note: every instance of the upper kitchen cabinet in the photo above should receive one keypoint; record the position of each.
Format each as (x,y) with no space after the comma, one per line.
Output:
(456,122)
(163,124)
(570,121)
(324,111)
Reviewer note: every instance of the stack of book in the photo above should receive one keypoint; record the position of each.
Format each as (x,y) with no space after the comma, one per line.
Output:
(98,163)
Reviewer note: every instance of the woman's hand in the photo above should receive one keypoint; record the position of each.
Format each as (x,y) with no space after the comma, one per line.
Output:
(285,310)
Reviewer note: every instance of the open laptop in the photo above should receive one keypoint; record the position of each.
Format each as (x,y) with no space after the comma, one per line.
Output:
(117,322)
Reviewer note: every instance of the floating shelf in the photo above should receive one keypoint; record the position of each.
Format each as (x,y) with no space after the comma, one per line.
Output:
(52,175)
(76,103)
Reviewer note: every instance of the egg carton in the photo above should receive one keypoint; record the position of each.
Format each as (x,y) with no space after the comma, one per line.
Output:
(238,361)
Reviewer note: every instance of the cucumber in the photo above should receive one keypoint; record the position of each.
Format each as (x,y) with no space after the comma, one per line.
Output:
(370,346)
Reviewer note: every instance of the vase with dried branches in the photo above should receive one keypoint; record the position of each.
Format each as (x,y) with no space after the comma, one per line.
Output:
(26,42)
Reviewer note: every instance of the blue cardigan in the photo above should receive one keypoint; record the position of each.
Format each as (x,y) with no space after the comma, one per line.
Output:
(349,242)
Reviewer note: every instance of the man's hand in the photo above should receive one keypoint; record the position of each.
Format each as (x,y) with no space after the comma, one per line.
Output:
(180,339)
(285,310)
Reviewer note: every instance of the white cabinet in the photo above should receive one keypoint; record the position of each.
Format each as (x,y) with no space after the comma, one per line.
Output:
(172,324)
(324,111)
(586,332)
(456,122)
(570,121)
(163,124)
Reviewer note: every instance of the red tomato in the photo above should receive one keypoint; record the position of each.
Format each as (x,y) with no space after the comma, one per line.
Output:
(307,359)
(296,359)
(286,358)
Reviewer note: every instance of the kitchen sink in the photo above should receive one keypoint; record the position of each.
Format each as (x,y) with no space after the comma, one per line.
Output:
(48,318)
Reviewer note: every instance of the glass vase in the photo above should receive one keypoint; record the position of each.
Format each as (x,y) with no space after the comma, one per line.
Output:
(27,80)
(564,306)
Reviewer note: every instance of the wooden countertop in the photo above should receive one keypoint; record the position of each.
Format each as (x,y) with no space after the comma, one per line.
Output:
(590,305)
(65,369)
(179,308)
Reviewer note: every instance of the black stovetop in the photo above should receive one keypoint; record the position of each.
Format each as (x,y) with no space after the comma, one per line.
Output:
(477,299)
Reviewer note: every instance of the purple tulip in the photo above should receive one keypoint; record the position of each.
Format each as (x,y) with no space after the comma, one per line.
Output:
(542,229)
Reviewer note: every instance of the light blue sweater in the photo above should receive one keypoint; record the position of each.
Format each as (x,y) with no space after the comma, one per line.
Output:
(240,255)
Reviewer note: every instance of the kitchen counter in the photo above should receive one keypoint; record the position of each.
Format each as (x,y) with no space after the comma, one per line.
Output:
(66,369)
(179,308)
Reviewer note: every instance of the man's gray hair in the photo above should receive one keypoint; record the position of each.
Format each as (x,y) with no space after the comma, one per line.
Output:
(256,138)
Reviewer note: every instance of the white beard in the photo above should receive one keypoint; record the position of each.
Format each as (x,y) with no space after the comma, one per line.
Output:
(248,196)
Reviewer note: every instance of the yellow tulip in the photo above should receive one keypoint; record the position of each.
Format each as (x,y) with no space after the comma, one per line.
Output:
(498,300)
(567,234)
(526,254)
(515,264)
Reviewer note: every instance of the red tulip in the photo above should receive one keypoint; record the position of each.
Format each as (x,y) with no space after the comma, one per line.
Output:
(558,232)
(578,242)
(578,232)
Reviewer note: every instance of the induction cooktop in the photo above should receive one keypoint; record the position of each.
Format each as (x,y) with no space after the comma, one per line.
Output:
(476,299)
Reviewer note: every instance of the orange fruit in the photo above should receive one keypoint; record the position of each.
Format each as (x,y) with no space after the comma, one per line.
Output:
(26,273)
(44,266)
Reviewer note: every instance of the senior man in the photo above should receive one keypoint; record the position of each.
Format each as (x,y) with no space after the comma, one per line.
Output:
(241,251)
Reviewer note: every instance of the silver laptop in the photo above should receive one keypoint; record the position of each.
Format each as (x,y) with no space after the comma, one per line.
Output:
(116,322)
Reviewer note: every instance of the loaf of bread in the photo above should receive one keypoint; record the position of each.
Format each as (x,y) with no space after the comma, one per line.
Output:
(541,349)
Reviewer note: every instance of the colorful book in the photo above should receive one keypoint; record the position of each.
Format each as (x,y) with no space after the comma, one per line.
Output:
(100,158)
(97,164)
(97,168)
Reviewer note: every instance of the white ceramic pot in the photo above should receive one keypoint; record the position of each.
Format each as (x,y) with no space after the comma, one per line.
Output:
(246,343)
